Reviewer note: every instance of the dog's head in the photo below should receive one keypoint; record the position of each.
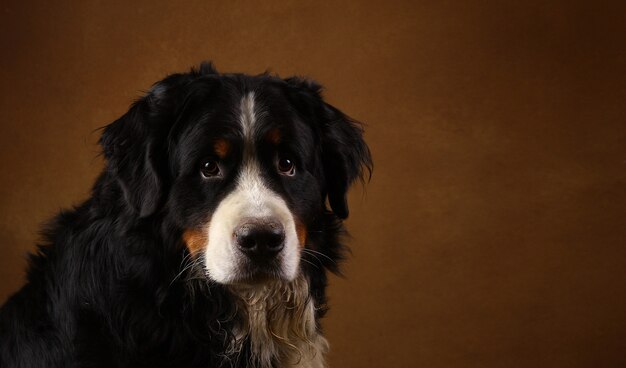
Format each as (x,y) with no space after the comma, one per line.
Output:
(242,165)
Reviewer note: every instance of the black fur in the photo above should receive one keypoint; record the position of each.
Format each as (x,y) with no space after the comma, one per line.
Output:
(104,288)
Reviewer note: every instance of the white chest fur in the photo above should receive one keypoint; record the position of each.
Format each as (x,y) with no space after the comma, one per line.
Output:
(279,320)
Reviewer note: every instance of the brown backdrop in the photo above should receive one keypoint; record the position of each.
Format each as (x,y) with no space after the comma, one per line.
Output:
(492,233)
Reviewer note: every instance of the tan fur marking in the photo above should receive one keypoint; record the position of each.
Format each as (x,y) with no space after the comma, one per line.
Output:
(302,233)
(221,147)
(274,136)
(195,240)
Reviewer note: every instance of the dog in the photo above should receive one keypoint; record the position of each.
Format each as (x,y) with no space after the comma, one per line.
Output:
(207,238)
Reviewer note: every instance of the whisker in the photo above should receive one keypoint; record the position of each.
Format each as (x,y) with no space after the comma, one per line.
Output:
(187,267)
(320,253)
(314,256)
(311,263)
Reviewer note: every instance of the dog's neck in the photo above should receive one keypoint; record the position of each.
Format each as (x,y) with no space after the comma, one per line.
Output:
(278,320)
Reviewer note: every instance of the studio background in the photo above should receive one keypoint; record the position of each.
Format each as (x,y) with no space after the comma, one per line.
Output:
(493,231)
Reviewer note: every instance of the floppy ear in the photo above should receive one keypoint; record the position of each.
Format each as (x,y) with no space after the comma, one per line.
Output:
(135,144)
(130,149)
(345,155)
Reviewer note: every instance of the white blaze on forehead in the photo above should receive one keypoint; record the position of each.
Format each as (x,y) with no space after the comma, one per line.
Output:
(249,180)
(251,199)
(247,117)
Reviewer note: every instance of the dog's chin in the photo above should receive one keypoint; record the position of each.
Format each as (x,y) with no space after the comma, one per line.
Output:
(257,278)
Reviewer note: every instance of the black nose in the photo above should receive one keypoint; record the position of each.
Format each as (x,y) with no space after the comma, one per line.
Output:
(260,239)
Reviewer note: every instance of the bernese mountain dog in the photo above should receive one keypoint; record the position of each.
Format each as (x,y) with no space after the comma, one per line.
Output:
(207,238)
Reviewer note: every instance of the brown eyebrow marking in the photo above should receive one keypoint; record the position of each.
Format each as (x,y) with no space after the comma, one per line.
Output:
(273,136)
(221,147)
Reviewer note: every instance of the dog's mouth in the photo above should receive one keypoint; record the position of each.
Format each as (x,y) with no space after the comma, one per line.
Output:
(258,271)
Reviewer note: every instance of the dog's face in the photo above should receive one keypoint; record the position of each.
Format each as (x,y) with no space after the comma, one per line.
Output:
(241,165)
(247,183)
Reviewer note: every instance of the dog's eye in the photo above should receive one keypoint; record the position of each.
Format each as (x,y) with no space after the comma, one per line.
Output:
(209,169)
(286,166)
